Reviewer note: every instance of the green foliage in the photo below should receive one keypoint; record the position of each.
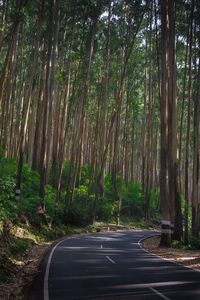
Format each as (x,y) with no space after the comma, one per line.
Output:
(82,206)
(132,201)
(137,224)
(154,204)
(30,199)
(177,244)
(51,233)
(130,204)
(85,171)
(29,192)
(54,173)
(106,208)
(18,246)
(50,202)
(193,244)
(8,167)
(8,208)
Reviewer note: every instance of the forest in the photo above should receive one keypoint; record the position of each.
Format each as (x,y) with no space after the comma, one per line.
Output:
(100,113)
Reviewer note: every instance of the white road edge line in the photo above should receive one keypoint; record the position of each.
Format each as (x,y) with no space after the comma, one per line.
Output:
(152,289)
(163,258)
(46,277)
(159,294)
(112,261)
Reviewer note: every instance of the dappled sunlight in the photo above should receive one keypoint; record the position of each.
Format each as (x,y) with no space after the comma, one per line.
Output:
(109,238)
(96,249)
(154,268)
(74,248)
(153,284)
(186,258)
(100,294)
(86,277)
(112,267)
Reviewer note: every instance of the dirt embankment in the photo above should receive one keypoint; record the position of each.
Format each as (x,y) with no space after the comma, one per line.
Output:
(23,273)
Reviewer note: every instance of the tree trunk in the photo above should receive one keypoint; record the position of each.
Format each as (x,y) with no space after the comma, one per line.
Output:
(26,109)
(188,129)
(196,165)
(48,96)
(164,192)
(174,194)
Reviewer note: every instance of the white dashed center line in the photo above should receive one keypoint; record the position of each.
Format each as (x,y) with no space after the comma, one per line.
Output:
(111,260)
(159,294)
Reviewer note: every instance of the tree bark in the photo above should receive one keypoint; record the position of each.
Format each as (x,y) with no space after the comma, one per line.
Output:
(164,191)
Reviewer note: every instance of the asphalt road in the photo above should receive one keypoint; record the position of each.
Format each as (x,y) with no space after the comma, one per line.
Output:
(108,266)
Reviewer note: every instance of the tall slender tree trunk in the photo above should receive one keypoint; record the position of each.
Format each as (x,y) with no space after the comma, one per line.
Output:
(196,162)
(188,129)
(48,95)
(26,109)
(63,134)
(13,35)
(164,192)
(3,21)
(39,117)
(174,194)
(76,168)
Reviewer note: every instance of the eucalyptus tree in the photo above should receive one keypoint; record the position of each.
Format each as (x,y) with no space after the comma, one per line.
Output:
(11,27)
(196,128)
(164,187)
(188,121)
(28,95)
(91,15)
(128,18)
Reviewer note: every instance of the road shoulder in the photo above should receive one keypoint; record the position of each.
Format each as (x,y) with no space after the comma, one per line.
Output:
(187,258)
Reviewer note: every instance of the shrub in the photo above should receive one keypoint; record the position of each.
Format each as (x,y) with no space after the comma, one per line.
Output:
(8,207)
(18,246)
(29,199)
(132,200)
(81,212)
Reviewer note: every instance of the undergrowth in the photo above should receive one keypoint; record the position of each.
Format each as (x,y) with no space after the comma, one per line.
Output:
(193,244)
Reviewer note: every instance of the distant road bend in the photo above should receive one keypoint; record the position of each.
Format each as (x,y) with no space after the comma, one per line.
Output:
(109,266)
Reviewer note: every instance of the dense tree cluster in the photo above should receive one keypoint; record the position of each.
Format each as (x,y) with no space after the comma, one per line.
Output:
(112,85)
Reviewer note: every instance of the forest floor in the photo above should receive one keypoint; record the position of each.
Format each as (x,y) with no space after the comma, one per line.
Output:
(24,272)
(188,258)
(20,256)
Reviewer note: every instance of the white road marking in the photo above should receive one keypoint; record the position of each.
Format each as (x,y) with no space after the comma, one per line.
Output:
(159,294)
(46,277)
(112,261)
(101,246)
(163,258)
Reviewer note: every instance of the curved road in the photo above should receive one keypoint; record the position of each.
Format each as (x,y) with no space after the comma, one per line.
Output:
(108,266)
